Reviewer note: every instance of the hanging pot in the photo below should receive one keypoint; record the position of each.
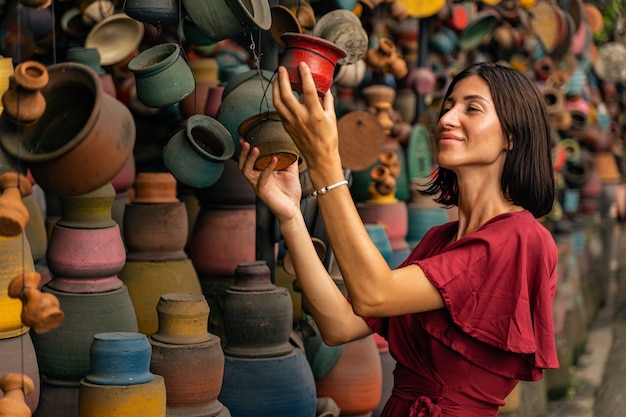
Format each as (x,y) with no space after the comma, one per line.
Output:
(23,102)
(344,29)
(196,155)
(162,76)
(82,140)
(320,55)
(115,37)
(283,21)
(222,19)
(154,12)
(266,132)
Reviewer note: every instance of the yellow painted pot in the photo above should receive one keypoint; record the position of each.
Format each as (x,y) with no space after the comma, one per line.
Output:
(15,258)
(146,400)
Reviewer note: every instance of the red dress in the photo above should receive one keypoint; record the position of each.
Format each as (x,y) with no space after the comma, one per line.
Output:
(498,284)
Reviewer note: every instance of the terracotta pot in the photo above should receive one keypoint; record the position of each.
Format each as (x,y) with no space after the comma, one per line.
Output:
(320,55)
(266,132)
(154,187)
(222,19)
(162,76)
(257,313)
(73,155)
(280,386)
(15,388)
(40,311)
(148,399)
(154,12)
(196,155)
(13,213)
(148,280)
(23,101)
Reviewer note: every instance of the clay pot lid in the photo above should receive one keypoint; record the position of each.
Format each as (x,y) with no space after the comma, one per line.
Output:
(155,187)
(361,139)
(115,37)
(422,9)
(283,21)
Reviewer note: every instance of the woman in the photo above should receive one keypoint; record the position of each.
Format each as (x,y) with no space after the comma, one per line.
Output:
(468,314)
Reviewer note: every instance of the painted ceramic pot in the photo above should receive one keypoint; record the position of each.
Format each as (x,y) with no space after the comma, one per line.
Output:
(320,55)
(119,358)
(222,19)
(162,76)
(82,140)
(266,132)
(196,155)
(154,12)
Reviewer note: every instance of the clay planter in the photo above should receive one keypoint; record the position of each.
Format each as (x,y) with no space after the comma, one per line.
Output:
(162,76)
(266,132)
(154,12)
(23,102)
(196,155)
(82,140)
(320,55)
(222,19)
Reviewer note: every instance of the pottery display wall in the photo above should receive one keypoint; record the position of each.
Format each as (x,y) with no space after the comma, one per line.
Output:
(119,88)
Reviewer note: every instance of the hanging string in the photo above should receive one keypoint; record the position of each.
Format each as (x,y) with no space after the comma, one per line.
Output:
(184,53)
(257,63)
(54,35)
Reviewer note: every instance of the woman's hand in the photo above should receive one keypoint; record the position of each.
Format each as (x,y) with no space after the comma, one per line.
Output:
(310,122)
(279,190)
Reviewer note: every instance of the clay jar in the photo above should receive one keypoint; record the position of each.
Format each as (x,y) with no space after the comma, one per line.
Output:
(162,76)
(196,155)
(23,102)
(258,314)
(82,140)
(320,55)
(266,132)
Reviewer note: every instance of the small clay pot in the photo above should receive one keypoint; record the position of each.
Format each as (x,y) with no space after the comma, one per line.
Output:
(266,132)
(40,311)
(13,214)
(23,102)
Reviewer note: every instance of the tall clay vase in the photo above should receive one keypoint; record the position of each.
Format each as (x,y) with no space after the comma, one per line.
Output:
(120,382)
(196,154)
(82,140)
(23,102)
(258,314)
(222,19)
(355,382)
(162,76)
(85,249)
(320,55)
(155,232)
(187,356)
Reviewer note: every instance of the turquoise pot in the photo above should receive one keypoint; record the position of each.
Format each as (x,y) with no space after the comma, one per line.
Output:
(162,76)
(196,155)
(222,19)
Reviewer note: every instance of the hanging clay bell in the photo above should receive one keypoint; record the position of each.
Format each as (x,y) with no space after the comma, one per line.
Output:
(40,311)
(13,213)
(15,387)
(23,102)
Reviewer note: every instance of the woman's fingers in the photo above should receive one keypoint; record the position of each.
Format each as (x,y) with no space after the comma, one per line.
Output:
(309,90)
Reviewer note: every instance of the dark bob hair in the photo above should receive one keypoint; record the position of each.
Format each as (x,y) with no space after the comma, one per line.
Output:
(527,177)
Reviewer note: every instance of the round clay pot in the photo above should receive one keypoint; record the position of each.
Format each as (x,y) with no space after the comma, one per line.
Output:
(183,319)
(266,132)
(221,19)
(344,29)
(162,76)
(23,102)
(154,12)
(82,140)
(196,155)
(320,55)
(155,187)
(115,37)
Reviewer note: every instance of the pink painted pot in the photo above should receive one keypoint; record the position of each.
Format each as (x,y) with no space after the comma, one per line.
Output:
(321,56)
(85,260)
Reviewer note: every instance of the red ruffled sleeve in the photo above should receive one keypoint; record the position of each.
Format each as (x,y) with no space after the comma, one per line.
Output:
(498,285)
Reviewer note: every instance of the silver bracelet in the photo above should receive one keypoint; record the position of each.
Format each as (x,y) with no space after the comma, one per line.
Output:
(326,189)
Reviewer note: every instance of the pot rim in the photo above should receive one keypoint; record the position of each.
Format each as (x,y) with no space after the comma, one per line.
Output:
(166,55)
(257,119)
(261,15)
(12,137)
(217,130)
(332,47)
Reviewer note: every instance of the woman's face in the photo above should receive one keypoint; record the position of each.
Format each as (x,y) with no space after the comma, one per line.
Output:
(469,133)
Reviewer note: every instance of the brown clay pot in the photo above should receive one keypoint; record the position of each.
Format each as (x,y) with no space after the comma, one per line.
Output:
(13,213)
(154,187)
(15,388)
(23,102)
(40,311)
